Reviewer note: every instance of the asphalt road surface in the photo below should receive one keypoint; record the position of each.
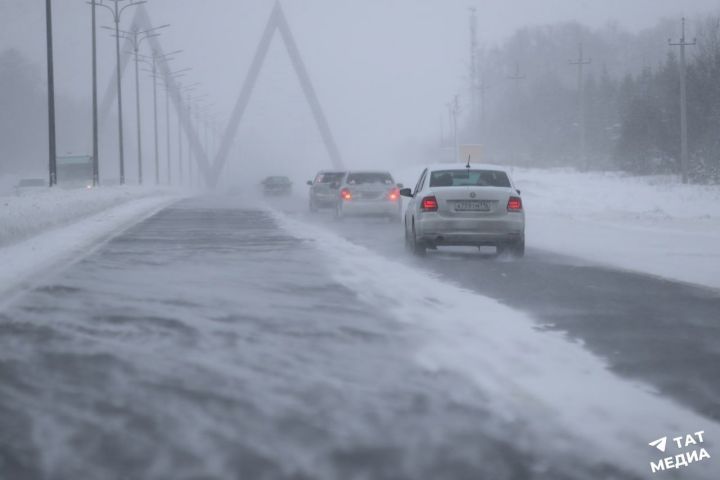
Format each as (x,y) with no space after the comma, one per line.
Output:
(208,343)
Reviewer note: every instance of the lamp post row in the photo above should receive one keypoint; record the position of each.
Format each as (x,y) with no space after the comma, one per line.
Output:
(136,36)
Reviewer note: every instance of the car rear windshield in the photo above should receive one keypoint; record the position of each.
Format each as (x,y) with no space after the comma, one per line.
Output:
(329,177)
(466,178)
(277,180)
(369,177)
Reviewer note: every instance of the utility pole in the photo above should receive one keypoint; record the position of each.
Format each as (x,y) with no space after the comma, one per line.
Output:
(52,164)
(580,63)
(517,76)
(683,102)
(482,88)
(96,149)
(473,71)
(117,12)
(454,111)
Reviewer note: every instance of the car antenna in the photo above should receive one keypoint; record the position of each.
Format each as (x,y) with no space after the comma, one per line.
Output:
(468,162)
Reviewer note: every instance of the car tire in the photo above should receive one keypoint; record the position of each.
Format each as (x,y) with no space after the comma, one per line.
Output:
(339,215)
(312,207)
(408,243)
(516,249)
(418,248)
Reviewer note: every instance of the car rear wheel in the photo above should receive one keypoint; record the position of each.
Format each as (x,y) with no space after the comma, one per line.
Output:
(418,248)
(339,215)
(516,249)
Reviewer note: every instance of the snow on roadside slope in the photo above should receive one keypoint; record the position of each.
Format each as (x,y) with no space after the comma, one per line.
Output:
(26,215)
(647,224)
(565,398)
(42,241)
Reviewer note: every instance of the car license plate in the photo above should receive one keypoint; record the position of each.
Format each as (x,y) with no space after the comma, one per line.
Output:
(472,206)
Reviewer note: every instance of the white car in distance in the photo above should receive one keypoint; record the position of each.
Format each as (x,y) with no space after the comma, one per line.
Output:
(464,205)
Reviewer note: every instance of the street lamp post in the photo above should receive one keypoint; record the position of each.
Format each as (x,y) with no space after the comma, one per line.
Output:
(95,147)
(52,163)
(171,75)
(137,36)
(117,13)
(180,112)
(153,72)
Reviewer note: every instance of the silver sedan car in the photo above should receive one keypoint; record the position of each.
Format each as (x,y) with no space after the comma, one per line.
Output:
(369,193)
(463,205)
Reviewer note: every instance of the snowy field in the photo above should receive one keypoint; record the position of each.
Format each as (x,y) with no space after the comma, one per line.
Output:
(651,225)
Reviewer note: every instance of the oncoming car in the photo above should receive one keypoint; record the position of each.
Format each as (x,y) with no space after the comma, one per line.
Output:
(369,193)
(462,205)
(324,190)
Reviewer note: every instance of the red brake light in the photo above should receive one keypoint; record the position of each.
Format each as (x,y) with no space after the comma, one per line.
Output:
(394,194)
(345,194)
(429,204)
(514,204)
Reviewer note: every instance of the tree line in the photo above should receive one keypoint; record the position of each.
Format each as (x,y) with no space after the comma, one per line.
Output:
(631,97)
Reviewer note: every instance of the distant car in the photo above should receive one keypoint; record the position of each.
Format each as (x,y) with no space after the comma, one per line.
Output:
(277,185)
(324,190)
(26,185)
(369,193)
(461,205)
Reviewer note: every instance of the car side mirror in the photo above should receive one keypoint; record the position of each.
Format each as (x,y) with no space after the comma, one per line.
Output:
(518,191)
(309,182)
(400,185)
(406,192)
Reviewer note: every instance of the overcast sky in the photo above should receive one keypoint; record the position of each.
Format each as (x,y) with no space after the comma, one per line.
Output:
(383,69)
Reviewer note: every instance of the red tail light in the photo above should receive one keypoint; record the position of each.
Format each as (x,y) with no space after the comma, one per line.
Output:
(394,194)
(345,194)
(429,204)
(514,204)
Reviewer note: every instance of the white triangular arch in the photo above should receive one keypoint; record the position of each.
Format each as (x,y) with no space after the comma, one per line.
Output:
(276,22)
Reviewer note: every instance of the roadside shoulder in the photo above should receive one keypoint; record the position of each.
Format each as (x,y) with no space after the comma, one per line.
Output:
(24,262)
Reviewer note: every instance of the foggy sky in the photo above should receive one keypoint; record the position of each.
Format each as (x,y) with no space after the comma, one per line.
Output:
(383,69)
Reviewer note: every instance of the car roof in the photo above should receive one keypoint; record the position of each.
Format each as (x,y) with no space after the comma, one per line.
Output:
(462,166)
(370,171)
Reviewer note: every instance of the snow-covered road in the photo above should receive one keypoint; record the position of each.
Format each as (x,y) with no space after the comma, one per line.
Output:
(219,339)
